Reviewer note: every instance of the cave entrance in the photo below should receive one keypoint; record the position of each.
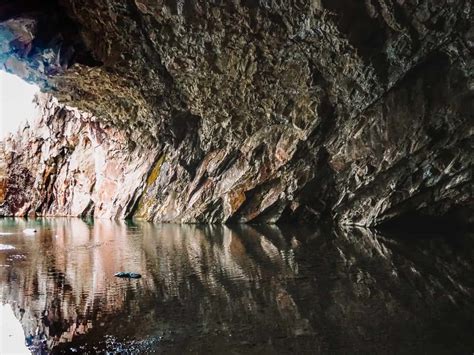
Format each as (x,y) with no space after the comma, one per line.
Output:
(16,102)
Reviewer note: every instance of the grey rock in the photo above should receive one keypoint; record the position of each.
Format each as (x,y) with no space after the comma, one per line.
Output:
(256,111)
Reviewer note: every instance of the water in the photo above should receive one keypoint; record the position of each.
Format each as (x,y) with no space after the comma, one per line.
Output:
(239,290)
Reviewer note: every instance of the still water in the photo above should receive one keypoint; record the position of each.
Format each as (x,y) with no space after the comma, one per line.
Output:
(233,290)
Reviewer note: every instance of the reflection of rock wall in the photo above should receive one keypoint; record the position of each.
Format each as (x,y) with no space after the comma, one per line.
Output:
(63,283)
(67,164)
(261,289)
(392,296)
(67,285)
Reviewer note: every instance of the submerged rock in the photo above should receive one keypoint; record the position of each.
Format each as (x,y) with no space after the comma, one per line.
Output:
(128,275)
(29,231)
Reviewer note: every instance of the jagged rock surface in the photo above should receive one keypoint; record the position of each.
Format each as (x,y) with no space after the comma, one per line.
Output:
(68,164)
(264,111)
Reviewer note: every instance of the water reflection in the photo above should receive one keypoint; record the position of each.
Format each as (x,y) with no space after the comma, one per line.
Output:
(214,289)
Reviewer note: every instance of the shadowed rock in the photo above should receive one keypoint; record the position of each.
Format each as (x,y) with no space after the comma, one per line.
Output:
(250,111)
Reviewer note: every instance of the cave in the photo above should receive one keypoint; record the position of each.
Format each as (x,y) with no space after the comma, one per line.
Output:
(245,119)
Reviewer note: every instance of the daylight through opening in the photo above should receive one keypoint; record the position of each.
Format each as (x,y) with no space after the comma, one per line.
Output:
(16,102)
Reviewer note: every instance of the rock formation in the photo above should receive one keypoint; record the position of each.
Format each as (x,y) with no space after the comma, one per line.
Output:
(66,164)
(244,111)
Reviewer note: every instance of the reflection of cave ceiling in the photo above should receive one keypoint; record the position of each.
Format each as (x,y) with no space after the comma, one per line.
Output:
(266,111)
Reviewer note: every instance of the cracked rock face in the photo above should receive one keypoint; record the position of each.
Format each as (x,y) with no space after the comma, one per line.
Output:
(245,111)
(68,164)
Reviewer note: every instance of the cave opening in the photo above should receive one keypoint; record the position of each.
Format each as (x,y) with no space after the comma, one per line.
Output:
(16,102)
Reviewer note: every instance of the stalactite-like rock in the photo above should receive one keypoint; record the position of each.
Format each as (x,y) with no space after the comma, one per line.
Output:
(256,111)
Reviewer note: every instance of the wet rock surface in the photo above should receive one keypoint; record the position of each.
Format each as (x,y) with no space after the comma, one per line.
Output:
(262,111)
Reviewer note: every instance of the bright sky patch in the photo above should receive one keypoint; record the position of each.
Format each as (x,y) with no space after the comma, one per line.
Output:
(16,102)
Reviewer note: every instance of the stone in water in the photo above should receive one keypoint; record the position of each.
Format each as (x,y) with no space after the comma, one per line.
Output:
(128,275)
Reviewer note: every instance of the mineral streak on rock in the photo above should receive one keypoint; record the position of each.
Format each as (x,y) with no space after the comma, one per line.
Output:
(244,111)
(3,172)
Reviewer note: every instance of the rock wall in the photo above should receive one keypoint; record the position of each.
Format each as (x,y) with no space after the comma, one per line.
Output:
(65,163)
(264,111)
(3,172)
